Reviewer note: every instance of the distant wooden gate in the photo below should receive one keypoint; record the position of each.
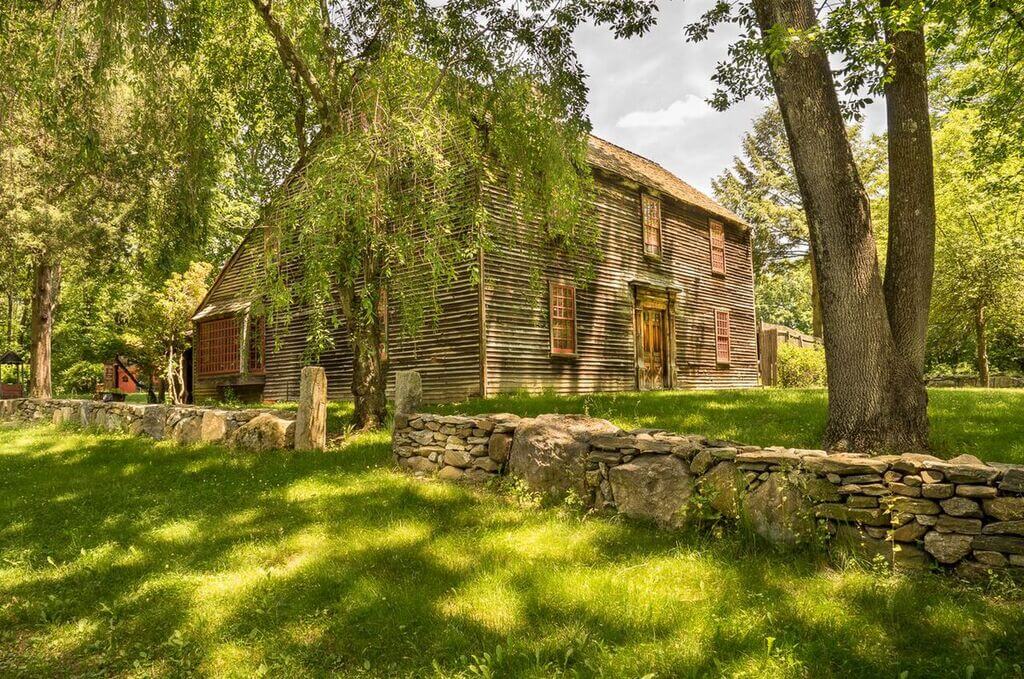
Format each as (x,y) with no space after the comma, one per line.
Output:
(769,337)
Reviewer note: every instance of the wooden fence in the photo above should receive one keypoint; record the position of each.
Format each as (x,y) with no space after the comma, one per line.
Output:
(769,337)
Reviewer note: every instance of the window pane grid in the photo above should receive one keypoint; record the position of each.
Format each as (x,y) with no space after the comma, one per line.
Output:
(723,347)
(651,208)
(563,319)
(218,346)
(717,248)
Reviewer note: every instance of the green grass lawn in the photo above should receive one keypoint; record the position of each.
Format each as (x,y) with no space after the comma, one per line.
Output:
(124,557)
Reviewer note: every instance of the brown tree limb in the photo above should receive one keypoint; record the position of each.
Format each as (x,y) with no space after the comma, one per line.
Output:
(290,56)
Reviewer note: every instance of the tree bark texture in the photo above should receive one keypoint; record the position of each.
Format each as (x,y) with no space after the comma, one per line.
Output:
(981,342)
(45,290)
(910,258)
(816,328)
(876,398)
(368,339)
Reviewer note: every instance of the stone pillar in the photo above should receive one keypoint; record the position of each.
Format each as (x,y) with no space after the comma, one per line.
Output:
(408,392)
(311,422)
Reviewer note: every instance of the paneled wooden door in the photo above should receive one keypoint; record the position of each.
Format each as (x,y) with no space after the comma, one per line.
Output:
(653,353)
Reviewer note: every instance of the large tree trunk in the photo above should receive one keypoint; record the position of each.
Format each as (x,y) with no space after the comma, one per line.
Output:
(816,328)
(910,258)
(45,290)
(981,342)
(876,399)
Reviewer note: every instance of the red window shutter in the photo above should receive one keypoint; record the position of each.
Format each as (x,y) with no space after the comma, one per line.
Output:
(723,348)
(717,232)
(562,313)
(651,214)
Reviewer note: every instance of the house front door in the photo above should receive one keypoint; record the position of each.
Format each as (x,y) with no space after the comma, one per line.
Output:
(653,352)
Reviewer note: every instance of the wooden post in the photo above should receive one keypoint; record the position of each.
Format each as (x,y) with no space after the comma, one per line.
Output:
(311,422)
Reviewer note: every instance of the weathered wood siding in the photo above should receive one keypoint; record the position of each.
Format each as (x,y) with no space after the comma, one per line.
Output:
(517,328)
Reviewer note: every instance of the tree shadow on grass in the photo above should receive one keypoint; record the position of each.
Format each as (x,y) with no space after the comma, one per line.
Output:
(199,560)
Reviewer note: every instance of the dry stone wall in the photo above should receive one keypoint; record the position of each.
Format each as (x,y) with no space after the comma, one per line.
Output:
(914,510)
(249,429)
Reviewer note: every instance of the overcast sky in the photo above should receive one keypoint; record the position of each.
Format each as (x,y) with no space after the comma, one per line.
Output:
(648,95)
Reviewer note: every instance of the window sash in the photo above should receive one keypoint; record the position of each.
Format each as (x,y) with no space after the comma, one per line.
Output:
(717,231)
(562,314)
(723,337)
(218,346)
(651,213)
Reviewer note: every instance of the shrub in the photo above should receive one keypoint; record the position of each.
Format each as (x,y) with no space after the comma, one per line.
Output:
(801,366)
(80,378)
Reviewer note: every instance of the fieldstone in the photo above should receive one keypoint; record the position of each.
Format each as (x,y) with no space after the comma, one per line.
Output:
(1013,481)
(422,436)
(646,445)
(819,489)
(1005,508)
(991,559)
(777,456)
(909,532)
(947,547)
(837,512)
(861,543)
(845,464)
(999,543)
(778,511)
(912,480)
(904,489)
(214,426)
(475,475)
(910,557)
(408,391)
(937,491)
(861,501)
(953,524)
(449,473)
(724,485)
(874,489)
(457,458)
(487,464)
(932,476)
(188,430)
(913,463)
(892,476)
(266,432)
(549,452)
(966,472)
(417,464)
(912,505)
(1016,559)
(656,487)
(1004,528)
(960,506)
(976,491)
(865,478)
(686,448)
(154,420)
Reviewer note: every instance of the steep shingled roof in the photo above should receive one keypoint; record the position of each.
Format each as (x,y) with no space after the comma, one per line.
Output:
(615,159)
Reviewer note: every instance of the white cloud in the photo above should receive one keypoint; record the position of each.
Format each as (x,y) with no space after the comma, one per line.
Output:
(678,112)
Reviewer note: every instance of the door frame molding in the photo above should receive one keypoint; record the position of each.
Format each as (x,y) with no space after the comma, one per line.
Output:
(660,297)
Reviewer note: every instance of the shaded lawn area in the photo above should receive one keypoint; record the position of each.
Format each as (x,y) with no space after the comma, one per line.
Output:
(121,556)
(988,423)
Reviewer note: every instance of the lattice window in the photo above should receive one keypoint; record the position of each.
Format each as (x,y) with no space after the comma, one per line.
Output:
(651,208)
(717,247)
(217,346)
(723,343)
(257,339)
(563,318)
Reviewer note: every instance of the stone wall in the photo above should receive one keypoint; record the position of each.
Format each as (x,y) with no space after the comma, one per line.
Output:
(916,511)
(249,429)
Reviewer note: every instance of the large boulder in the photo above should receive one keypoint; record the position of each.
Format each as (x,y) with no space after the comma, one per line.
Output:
(214,426)
(656,487)
(189,429)
(549,452)
(265,432)
(779,512)
(724,486)
(154,419)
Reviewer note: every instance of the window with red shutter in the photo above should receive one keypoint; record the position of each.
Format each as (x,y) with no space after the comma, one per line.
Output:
(651,209)
(717,247)
(723,348)
(217,346)
(563,318)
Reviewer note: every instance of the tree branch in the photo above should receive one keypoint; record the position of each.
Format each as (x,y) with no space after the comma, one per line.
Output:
(290,56)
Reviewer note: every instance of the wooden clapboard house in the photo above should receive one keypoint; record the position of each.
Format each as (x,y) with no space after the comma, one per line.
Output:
(670,305)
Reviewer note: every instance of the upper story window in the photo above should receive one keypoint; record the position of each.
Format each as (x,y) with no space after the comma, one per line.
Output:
(717,231)
(563,318)
(723,337)
(651,209)
(217,346)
